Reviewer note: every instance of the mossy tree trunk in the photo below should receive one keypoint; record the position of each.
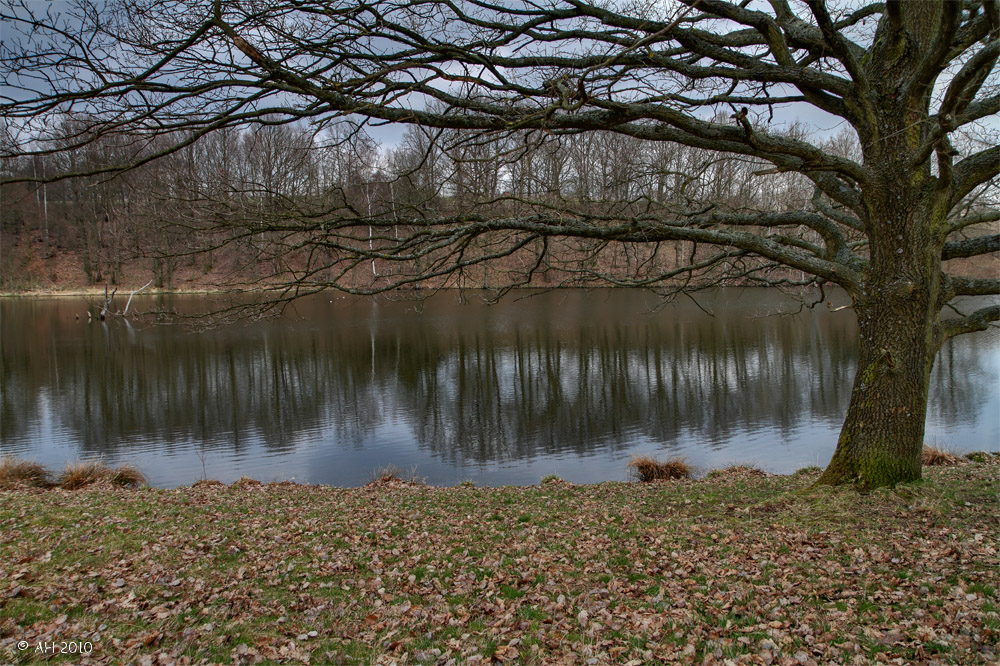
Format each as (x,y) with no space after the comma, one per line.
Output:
(882,437)
(900,298)
(898,309)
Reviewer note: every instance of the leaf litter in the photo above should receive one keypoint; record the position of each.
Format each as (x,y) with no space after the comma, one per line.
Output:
(736,569)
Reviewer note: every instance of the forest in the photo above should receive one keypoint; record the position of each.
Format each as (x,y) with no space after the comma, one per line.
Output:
(218,211)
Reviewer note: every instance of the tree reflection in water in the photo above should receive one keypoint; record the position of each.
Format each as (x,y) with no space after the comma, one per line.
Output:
(568,375)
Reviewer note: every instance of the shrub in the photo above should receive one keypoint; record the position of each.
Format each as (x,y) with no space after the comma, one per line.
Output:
(934,457)
(551,478)
(646,469)
(16,472)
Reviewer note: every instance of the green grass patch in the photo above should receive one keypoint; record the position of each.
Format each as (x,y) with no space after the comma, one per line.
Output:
(619,571)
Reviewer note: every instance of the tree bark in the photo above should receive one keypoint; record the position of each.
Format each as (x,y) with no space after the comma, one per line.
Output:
(900,300)
(898,308)
(881,441)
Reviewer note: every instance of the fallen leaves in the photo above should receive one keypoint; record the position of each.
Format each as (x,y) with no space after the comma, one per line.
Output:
(739,569)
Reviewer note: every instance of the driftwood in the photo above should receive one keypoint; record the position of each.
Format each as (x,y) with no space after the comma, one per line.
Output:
(109,298)
(129,302)
(107,301)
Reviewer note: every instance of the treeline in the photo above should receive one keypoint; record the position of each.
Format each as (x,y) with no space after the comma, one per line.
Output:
(235,204)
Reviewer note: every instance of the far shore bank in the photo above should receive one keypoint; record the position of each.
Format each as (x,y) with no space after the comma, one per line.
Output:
(98,292)
(124,292)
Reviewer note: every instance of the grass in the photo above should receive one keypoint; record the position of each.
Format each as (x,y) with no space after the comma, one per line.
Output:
(80,474)
(206,482)
(662,573)
(983,456)
(936,457)
(646,469)
(127,476)
(246,481)
(744,471)
(391,475)
(15,472)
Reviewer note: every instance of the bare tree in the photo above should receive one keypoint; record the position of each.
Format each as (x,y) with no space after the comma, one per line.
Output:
(908,77)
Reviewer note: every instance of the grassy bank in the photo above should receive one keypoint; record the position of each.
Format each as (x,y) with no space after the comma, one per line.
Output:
(736,568)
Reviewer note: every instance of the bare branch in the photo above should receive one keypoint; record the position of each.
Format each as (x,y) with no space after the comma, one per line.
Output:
(971,247)
(967,286)
(975,170)
(977,321)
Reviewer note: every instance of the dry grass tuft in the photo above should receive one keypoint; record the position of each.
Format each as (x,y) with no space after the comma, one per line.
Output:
(207,482)
(934,457)
(386,474)
(246,481)
(17,472)
(74,475)
(646,469)
(79,474)
(394,476)
(737,471)
(983,456)
(127,476)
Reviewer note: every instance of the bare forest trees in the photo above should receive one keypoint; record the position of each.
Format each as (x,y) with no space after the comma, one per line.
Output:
(230,192)
(624,143)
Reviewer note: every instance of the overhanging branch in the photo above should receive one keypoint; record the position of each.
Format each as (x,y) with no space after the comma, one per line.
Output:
(971,247)
(979,320)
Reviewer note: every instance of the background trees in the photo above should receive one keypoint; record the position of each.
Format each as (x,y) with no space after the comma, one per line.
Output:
(227,194)
(641,145)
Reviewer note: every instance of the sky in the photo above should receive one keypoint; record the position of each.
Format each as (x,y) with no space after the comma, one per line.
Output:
(820,124)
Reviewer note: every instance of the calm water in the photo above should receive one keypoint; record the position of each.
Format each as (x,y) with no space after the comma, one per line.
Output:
(568,382)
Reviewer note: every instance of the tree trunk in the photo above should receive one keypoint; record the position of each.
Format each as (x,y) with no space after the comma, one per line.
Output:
(881,441)
(898,308)
(159,279)
(903,211)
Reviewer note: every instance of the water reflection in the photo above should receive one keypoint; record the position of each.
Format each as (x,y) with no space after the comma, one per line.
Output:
(569,382)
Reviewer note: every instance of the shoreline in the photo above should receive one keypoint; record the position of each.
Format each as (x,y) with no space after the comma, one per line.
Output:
(20,473)
(98,291)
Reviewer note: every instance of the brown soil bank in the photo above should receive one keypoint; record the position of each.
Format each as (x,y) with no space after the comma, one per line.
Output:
(735,569)
(26,268)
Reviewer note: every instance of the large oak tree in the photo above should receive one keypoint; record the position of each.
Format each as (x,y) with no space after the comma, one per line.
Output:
(910,79)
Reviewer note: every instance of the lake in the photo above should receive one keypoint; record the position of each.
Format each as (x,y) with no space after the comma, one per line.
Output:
(568,382)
